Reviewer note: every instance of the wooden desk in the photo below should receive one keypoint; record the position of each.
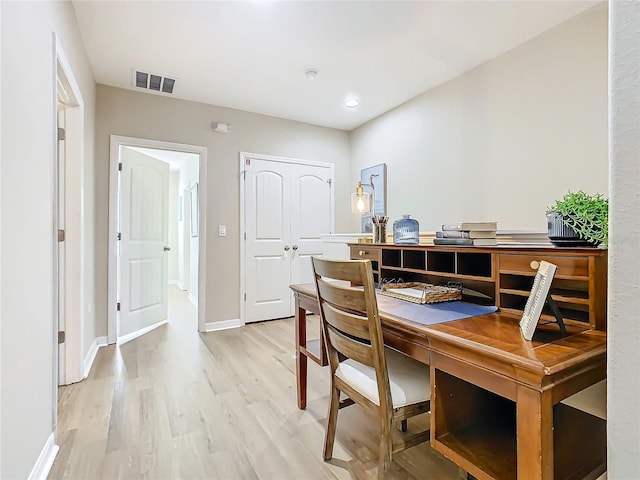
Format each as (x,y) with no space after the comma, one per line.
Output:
(496,408)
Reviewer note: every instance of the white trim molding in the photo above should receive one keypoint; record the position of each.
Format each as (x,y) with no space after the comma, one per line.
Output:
(193,300)
(127,338)
(224,325)
(43,464)
(91,354)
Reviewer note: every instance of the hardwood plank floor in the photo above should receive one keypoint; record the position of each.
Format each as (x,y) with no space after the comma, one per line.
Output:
(178,404)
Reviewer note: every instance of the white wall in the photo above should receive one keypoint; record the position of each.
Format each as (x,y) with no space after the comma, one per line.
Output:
(173,227)
(623,428)
(502,141)
(143,115)
(28,393)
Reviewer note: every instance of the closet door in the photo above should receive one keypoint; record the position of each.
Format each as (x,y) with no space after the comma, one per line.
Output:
(287,207)
(267,245)
(310,217)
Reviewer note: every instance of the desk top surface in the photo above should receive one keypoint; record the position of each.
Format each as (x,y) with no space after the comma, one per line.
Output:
(497,336)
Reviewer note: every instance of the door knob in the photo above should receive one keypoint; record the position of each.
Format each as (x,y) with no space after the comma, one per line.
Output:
(166,249)
(295,247)
(286,248)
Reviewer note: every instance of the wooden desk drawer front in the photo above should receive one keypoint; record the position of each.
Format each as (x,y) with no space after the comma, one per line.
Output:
(366,253)
(567,266)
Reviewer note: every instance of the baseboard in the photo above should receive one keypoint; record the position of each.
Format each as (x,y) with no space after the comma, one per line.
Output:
(193,300)
(40,470)
(137,333)
(223,325)
(173,282)
(180,285)
(91,354)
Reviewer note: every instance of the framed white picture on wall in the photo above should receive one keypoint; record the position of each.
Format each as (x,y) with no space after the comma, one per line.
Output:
(376,176)
(193,196)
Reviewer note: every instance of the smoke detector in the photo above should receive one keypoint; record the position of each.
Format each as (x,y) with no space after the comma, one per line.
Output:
(220,127)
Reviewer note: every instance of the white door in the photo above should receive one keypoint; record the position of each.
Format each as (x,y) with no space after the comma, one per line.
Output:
(287,208)
(267,212)
(143,273)
(61,158)
(310,217)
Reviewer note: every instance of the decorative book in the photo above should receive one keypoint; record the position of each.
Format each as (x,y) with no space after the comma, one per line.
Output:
(470,226)
(478,242)
(466,234)
(537,299)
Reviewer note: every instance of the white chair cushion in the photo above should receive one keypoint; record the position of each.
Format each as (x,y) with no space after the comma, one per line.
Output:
(408,379)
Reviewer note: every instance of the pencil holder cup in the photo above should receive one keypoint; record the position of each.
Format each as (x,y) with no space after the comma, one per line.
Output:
(379,233)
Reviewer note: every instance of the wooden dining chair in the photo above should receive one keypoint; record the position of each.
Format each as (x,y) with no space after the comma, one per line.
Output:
(386,382)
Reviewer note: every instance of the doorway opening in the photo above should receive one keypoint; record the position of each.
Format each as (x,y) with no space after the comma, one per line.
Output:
(157,213)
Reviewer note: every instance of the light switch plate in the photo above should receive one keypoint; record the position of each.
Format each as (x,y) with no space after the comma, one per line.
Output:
(222,230)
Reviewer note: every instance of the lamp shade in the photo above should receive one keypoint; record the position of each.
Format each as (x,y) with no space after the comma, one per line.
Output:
(360,202)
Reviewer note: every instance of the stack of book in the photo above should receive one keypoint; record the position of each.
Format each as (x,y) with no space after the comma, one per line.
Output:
(479,234)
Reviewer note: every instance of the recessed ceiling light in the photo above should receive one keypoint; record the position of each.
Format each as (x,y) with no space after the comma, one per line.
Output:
(312,73)
(351,103)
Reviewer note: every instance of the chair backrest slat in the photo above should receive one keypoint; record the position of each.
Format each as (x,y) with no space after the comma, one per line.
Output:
(350,323)
(343,296)
(339,270)
(357,351)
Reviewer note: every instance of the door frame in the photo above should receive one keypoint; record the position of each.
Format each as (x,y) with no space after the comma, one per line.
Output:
(115,142)
(243,228)
(72,287)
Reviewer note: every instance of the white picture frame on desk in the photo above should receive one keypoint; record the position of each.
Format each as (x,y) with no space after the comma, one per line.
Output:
(537,298)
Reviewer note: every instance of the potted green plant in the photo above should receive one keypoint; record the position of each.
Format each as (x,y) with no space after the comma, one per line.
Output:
(579,219)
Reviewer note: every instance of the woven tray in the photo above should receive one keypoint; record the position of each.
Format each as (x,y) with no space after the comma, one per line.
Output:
(418,292)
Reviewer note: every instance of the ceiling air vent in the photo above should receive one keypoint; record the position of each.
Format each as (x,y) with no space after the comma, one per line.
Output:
(150,81)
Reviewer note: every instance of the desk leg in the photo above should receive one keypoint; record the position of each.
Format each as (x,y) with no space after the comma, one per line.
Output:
(301,359)
(535,434)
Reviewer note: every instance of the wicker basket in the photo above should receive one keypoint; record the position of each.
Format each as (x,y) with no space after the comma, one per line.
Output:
(418,292)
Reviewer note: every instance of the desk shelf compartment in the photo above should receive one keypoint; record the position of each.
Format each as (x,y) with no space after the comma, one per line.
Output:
(444,262)
(474,264)
(477,428)
(571,296)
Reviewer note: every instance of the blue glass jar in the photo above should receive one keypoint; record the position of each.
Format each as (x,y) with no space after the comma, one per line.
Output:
(406,231)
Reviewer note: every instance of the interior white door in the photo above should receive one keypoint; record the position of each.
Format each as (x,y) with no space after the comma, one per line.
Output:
(310,217)
(287,208)
(143,266)
(268,246)
(61,159)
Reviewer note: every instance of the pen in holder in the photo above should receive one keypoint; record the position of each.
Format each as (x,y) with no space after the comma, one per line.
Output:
(379,228)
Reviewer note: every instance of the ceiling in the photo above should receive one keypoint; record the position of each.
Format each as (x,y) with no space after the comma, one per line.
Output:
(253,55)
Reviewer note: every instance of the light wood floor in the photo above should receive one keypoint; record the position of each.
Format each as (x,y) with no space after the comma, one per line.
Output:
(178,404)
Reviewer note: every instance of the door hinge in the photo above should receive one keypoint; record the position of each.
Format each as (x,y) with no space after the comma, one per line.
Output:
(245,236)
(244,174)
(120,166)
(330,182)
(118,307)
(61,236)
(61,337)
(119,237)
(61,133)
(245,297)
